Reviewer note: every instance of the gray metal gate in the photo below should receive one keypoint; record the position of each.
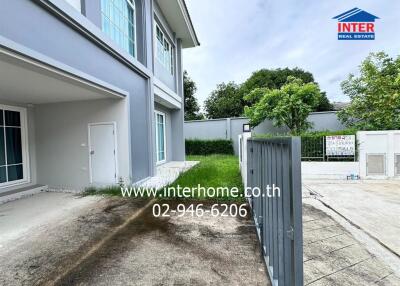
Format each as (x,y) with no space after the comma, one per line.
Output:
(278,219)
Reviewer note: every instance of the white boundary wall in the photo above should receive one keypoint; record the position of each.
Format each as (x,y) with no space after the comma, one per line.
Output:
(385,143)
(242,147)
(329,170)
(310,170)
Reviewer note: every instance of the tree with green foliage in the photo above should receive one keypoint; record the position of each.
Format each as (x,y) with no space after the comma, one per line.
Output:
(225,101)
(289,105)
(275,79)
(324,104)
(192,109)
(374,94)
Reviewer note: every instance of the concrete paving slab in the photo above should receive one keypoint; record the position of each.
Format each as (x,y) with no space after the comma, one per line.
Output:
(317,224)
(329,245)
(367,272)
(339,259)
(323,233)
(374,206)
(390,280)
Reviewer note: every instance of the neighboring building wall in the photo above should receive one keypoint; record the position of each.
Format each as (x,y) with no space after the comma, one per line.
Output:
(321,121)
(327,120)
(62,140)
(230,128)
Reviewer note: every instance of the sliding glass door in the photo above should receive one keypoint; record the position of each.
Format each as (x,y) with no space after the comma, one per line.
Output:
(12,145)
(160,137)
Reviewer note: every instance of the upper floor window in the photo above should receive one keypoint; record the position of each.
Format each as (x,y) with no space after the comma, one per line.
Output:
(164,51)
(118,22)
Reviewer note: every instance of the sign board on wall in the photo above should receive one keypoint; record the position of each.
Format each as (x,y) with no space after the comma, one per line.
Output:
(341,145)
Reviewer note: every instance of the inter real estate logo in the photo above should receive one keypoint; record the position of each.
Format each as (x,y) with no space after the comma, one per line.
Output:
(356,24)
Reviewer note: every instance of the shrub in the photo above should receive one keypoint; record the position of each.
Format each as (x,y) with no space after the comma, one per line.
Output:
(208,147)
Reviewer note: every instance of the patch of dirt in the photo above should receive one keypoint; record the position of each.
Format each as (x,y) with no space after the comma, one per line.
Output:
(147,251)
(176,251)
(47,251)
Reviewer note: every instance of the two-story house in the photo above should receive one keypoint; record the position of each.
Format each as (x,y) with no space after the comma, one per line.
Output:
(91,91)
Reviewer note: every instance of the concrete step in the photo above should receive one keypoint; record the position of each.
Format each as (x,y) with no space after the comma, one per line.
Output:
(22,192)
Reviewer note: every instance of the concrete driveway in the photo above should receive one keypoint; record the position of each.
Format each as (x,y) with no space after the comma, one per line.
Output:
(64,239)
(37,212)
(373,206)
(334,256)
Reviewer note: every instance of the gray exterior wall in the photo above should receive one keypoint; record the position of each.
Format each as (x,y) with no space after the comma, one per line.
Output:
(178,139)
(55,29)
(230,128)
(61,131)
(28,30)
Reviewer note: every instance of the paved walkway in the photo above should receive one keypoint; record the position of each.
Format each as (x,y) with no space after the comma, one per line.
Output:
(373,206)
(167,173)
(332,256)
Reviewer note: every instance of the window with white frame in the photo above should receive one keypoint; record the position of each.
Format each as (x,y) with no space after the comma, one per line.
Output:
(160,136)
(118,22)
(164,51)
(13,145)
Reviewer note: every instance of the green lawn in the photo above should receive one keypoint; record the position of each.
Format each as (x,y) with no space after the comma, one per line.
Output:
(213,171)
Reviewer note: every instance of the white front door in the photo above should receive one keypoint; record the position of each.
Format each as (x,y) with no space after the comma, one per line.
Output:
(102,152)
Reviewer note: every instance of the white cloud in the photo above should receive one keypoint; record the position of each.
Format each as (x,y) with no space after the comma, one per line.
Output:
(238,37)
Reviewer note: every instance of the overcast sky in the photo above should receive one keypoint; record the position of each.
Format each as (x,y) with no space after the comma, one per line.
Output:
(241,36)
